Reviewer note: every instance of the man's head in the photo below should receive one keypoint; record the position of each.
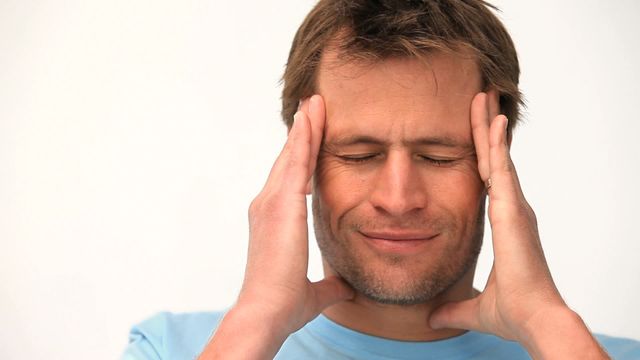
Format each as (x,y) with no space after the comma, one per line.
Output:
(398,204)
(372,30)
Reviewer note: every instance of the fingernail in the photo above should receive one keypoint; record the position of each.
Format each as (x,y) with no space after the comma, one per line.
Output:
(434,325)
(299,105)
(311,102)
(506,131)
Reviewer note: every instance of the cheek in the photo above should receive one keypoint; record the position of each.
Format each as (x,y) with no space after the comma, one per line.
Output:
(339,188)
(459,191)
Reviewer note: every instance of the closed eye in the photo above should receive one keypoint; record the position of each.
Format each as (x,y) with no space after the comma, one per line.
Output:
(438,162)
(360,158)
(357,158)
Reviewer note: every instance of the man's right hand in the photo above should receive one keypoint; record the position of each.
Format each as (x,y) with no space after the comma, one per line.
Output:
(277,298)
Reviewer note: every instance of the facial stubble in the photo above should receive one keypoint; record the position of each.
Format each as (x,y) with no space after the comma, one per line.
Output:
(457,258)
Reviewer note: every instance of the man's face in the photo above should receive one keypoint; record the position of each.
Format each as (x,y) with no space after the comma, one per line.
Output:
(398,203)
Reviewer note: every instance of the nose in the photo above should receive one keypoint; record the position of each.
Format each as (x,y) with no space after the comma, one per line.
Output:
(398,188)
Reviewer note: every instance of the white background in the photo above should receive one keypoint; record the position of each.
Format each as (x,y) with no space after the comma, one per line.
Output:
(134,134)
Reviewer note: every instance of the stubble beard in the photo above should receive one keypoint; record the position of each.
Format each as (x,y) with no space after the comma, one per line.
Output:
(412,288)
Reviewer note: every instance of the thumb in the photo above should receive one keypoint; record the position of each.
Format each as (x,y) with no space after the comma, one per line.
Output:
(456,315)
(331,290)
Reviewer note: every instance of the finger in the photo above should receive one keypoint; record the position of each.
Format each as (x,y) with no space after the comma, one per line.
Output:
(456,315)
(480,132)
(331,290)
(290,169)
(316,112)
(505,184)
(493,103)
(515,236)
(304,105)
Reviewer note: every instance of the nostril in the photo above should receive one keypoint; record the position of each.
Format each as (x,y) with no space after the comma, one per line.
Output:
(397,202)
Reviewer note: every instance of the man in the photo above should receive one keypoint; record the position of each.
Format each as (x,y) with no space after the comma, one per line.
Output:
(400,115)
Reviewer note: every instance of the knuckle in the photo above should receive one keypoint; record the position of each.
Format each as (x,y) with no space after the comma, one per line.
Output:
(268,207)
(508,166)
(531,214)
(254,206)
(522,212)
(292,162)
(275,206)
(525,214)
(262,204)
(296,162)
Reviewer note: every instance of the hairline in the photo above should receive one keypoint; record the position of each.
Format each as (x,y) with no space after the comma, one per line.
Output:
(347,56)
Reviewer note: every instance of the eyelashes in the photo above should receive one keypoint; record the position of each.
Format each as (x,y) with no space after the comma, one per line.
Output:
(438,162)
(364,158)
(357,158)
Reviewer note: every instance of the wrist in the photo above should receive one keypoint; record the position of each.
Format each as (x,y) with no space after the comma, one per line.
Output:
(559,333)
(272,321)
(246,333)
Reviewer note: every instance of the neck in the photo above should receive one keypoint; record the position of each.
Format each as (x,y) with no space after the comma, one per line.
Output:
(400,322)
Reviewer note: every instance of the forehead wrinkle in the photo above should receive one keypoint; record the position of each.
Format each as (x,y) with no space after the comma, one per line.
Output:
(440,141)
(350,98)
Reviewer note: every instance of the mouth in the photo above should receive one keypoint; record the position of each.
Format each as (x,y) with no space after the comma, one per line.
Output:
(398,242)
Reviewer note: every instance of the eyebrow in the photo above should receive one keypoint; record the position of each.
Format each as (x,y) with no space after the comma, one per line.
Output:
(442,141)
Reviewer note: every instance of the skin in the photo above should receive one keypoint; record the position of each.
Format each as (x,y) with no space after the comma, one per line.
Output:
(398,189)
(414,169)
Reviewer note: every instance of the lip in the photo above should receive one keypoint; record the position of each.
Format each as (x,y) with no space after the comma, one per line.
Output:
(398,235)
(399,242)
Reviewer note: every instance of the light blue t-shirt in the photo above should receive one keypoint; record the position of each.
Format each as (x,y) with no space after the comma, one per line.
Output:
(184,336)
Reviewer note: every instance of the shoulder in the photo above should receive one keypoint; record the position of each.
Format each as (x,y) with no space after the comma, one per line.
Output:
(619,347)
(171,335)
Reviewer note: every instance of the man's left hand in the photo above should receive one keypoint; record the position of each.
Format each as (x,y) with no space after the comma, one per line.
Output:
(520,301)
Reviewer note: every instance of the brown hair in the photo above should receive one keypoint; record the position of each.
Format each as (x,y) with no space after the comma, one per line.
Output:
(374,30)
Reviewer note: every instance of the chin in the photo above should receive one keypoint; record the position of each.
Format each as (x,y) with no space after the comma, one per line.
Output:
(400,283)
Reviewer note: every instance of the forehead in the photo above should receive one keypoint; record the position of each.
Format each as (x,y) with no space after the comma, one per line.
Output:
(399,95)
(454,68)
